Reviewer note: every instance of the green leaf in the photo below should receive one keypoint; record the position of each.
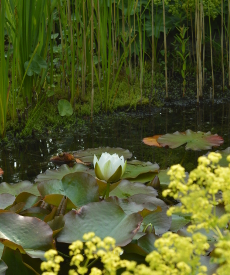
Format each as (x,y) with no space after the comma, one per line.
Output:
(33,68)
(30,235)
(3,267)
(224,153)
(40,61)
(88,154)
(64,108)
(126,189)
(6,200)
(16,188)
(195,140)
(60,172)
(102,218)
(147,242)
(178,222)
(27,198)
(81,188)
(13,259)
(135,168)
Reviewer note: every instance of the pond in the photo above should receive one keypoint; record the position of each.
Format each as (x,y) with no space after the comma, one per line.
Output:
(24,161)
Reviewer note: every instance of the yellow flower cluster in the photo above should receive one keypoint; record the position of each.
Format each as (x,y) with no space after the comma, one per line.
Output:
(52,265)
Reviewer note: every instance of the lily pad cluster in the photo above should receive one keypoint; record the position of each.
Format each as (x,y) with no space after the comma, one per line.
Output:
(64,204)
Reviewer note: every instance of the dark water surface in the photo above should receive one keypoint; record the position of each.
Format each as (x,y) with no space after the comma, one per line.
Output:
(25,161)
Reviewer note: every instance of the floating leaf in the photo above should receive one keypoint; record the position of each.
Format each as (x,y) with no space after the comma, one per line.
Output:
(13,259)
(158,218)
(64,108)
(126,189)
(195,140)
(6,200)
(88,154)
(152,141)
(1,172)
(63,158)
(3,267)
(15,189)
(30,235)
(60,172)
(81,188)
(140,171)
(102,218)
(27,198)
(178,222)
(224,153)
(147,242)
(57,224)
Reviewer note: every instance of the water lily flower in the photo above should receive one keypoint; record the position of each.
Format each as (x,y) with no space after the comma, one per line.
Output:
(109,167)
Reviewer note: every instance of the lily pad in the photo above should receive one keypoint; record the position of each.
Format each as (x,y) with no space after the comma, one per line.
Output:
(81,188)
(3,267)
(195,140)
(14,261)
(6,200)
(136,168)
(224,153)
(152,141)
(29,235)
(158,218)
(29,200)
(104,219)
(15,189)
(147,242)
(130,207)
(178,222)
(126,189)
(88,154)
(60,172)
(64,108)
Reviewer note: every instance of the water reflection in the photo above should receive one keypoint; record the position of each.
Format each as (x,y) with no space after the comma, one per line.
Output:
(27,160)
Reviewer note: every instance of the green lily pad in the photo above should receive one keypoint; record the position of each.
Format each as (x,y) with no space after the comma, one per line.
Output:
(104,219)
(15,189)
(3,267)
(136,169)
(147,242)
(60,172)
(224,153)
(126,189)
(37,212)
(29,235)
(88,154)
(6,200)
(1,250)
(195,140)
(29,200)
(158,218)
(57,224)
(178,222)
(129,206)
(14,261)
(81,188)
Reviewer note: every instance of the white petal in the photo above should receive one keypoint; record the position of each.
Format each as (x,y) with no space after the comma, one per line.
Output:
(95,160)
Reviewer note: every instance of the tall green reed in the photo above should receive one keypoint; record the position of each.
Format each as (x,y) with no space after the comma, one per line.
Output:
(4,65)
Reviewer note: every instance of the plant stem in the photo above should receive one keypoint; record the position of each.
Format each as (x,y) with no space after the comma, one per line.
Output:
(107,190)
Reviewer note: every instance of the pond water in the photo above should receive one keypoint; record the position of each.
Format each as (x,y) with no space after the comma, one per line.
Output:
(25,161)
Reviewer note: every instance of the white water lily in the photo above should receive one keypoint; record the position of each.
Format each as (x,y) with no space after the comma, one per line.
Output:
(109,167)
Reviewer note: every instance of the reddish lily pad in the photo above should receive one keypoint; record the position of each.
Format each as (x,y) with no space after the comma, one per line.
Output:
(104,219)
(195,140)
(88,154)
(152,141)
(61,172)
(1,172)
(29,235)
